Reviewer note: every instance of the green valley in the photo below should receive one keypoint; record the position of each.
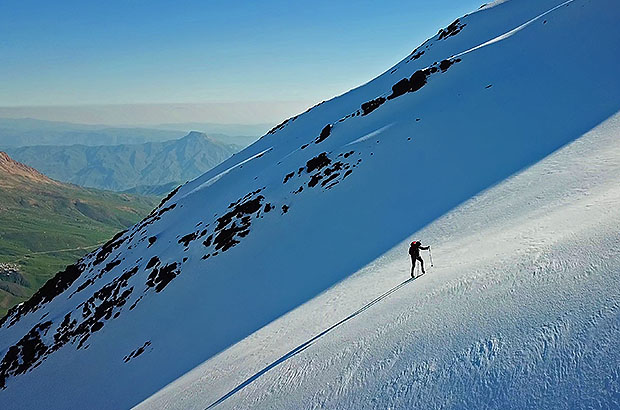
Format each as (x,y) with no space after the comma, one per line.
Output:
(46,225)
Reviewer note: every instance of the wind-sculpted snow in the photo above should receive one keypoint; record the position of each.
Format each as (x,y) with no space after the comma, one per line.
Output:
(312,202)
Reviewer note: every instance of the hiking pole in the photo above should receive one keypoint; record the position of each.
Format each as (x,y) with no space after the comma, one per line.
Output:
(431,255)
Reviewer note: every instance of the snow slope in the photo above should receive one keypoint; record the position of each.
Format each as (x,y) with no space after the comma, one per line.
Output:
(505,318)
(522,310)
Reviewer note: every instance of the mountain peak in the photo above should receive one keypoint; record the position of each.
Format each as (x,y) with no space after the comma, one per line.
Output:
(11,168)
(196,135)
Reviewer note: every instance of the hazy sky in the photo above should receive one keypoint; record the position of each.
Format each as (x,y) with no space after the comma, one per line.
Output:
(72,53)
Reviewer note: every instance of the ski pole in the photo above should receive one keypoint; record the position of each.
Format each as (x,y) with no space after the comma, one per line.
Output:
(431,255)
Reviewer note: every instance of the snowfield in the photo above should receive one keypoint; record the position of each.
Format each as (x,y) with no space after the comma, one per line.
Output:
(520,311)
(279,279)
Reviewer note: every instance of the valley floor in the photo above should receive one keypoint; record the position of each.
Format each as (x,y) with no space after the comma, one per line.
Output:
(521,310)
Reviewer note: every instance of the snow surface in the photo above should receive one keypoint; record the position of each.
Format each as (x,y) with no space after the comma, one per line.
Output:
(521,309)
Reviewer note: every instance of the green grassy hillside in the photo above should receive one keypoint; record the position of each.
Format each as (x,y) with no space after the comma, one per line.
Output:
(46,225)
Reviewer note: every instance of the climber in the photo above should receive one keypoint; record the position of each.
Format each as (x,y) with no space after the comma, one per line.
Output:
(414,252)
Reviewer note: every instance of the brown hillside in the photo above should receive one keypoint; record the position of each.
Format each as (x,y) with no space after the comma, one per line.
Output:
(13,172)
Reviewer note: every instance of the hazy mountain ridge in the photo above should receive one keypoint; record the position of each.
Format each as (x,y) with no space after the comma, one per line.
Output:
(28,132)
(21,132)
(154,166)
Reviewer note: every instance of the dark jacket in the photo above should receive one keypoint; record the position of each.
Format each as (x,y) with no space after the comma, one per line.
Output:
(414,249)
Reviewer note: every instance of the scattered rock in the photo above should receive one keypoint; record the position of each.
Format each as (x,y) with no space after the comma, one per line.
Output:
(324,134)
(317,162)
(314,179)
(160,277)
(167,198)
(52,288)
(372,105)
(287,177)
(282,125)
(108,247)
(25,354)
(452,30)
(137,352)
(154,261)
(412,84)
(416,55)
(185,240)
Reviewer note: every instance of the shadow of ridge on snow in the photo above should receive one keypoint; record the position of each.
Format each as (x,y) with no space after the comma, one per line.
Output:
(308,343)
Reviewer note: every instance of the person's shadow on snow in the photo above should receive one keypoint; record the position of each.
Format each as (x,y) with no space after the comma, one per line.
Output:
(308,343)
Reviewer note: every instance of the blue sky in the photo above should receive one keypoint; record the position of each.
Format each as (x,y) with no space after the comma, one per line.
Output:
(134,51)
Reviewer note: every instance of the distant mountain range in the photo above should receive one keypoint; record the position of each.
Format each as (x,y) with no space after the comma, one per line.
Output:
(27,131)
(45,224)
(20,132)
(152,168)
